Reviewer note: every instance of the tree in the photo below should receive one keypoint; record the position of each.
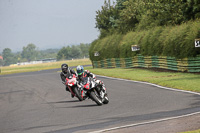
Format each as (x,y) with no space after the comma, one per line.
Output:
(106,19)
(120,4)
(8,57)
(191,9)
(65,53)
(131,15)
(84,50)
(61,54)
(73,52)
(29,52)
(1,62)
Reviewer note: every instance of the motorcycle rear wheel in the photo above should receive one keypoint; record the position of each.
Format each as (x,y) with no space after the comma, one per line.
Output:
(95,98)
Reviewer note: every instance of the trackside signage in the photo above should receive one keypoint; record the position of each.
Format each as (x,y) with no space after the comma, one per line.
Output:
(96,53)
(135,48)
(197,42)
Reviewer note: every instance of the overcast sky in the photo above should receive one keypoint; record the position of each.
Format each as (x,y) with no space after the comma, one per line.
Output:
(47,23)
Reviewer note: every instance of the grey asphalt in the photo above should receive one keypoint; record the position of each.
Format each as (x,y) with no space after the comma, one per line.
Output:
(36,102)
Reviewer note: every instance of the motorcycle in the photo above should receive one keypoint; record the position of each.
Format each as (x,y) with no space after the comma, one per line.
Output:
(74,87)
(95,91)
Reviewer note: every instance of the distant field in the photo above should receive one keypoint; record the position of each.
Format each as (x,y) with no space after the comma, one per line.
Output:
(42,66)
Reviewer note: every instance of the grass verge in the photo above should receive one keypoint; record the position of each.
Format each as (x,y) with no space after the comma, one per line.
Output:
(183,81)
(196,131)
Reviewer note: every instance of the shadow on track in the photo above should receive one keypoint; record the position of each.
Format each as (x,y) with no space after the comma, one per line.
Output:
(82,106)
(73,101)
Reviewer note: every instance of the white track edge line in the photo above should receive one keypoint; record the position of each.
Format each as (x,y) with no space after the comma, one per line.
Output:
(143,123)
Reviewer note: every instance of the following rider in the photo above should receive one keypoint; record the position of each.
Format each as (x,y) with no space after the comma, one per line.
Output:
(66,73)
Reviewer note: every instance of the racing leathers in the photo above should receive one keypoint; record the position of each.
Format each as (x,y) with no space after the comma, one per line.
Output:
(87,73)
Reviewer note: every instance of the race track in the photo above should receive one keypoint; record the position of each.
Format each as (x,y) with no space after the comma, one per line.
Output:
(36,102)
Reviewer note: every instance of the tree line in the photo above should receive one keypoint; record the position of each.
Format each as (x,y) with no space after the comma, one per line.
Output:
(31,53)
(74,52)
(135,15)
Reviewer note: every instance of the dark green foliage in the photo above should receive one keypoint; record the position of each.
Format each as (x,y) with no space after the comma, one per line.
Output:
(74,52)
(159,27)
(172,41)
(120,5)
(8,57)
(29,52)
(132,15)
(106,18)
(107,47)
(48,53)
(193,33)
(1,62)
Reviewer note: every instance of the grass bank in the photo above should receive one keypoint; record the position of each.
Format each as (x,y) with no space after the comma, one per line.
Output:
(183,81)
(42,66)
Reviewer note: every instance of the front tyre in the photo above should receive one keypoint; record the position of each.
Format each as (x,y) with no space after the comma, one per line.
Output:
(106,100)
(78,95)
(94,97)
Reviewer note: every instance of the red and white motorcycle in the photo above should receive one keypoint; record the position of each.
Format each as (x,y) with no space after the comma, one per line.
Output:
(95,91)
(74,87)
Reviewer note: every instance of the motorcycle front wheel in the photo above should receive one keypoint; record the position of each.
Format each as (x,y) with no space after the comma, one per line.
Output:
(94,97)
(106,100)
(78,94)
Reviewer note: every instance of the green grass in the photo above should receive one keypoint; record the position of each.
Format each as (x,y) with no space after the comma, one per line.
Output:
(183,81)
(196,131)
(42,66)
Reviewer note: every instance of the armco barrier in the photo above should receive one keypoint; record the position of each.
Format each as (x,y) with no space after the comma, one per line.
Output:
(170,63)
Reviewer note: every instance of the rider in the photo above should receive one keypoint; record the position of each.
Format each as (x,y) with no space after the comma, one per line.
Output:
(66,72)
(86,73)
(81,73)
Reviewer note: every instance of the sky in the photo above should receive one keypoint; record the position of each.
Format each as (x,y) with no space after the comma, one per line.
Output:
(47,23)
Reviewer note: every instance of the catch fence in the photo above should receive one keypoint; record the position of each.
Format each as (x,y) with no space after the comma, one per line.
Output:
(170,63)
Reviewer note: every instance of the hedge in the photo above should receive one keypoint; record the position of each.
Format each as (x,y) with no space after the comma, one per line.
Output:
(171,41)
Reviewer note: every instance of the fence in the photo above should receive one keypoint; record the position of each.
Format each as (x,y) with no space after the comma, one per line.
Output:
(170,63)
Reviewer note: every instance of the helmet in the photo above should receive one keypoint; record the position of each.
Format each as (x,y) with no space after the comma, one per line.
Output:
(64,68)
(79,69)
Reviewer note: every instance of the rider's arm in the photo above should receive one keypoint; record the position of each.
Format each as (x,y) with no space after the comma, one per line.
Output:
(73,72)
(90,74)
(63,78)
